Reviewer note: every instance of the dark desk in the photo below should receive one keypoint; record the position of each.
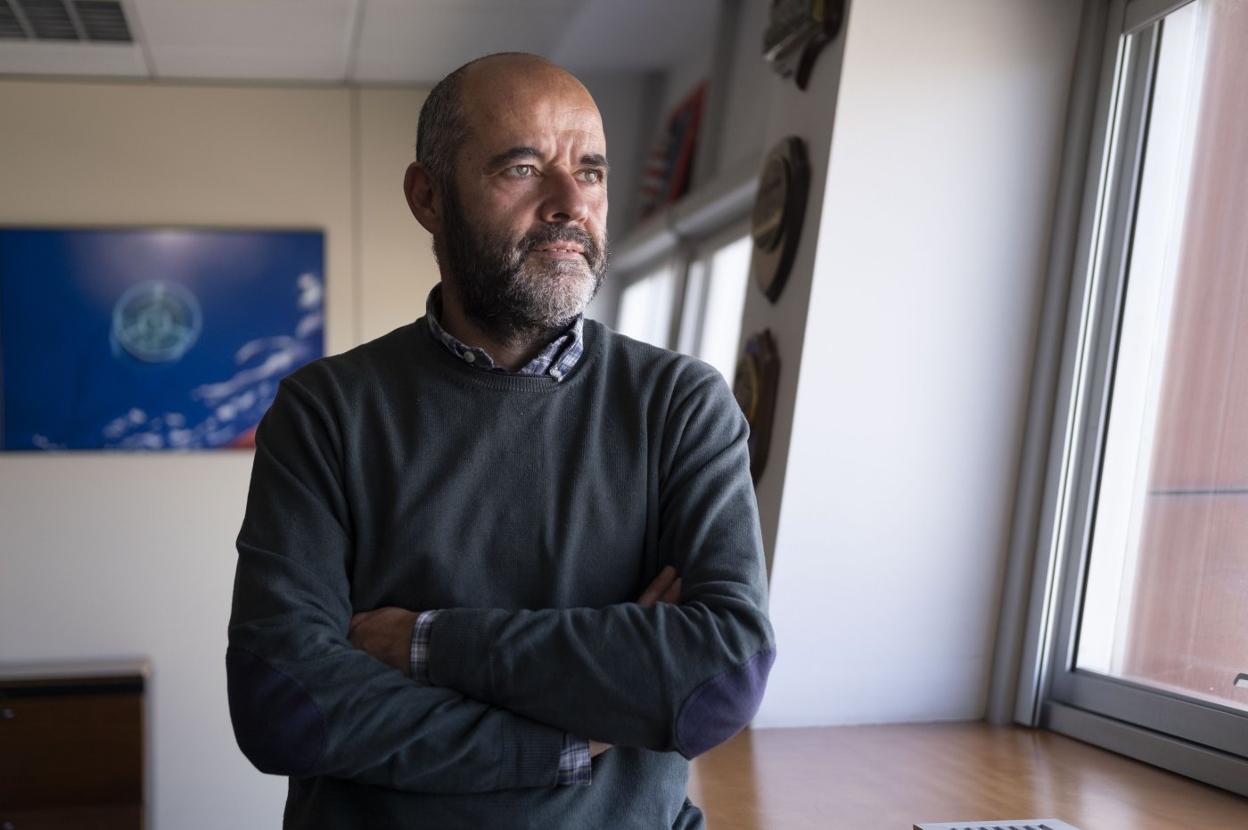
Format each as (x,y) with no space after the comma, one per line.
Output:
(71,746)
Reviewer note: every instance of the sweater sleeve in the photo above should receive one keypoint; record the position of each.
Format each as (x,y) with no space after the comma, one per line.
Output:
(681,677)
(303,701)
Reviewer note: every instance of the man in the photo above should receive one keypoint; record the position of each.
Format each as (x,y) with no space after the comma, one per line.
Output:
(456,602)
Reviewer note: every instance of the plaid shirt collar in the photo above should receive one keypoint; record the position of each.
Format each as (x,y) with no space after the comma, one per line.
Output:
(555,360)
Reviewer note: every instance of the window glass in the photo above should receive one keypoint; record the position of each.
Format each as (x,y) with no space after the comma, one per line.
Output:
(692,307)
(712,299)
(725,302)
(1166,602)
(646,307)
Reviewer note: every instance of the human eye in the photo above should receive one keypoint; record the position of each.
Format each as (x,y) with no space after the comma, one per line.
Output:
(521,171)
(592,175)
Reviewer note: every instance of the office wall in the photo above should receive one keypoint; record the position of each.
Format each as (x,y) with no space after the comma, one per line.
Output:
(906,337)
(750,86)
(394,268)
(621,100)
(120,556)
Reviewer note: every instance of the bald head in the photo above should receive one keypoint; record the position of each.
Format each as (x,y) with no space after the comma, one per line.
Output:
(504,64)
(483,89)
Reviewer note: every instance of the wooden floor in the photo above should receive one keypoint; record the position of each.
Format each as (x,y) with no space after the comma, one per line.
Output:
(883,777)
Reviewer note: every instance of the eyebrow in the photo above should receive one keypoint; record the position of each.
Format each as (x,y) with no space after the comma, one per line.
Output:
(514,154)
(517,153)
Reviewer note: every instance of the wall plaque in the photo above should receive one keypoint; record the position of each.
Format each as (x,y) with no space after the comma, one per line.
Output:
(796,31)
(755,389)
(779,210)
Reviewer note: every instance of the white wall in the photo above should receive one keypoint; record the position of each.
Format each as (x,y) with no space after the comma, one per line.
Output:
(120,556)
(751,84)
(621,101)
(693,67)
(912,321)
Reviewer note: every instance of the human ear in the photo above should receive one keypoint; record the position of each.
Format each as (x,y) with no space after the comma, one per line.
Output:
(423,198)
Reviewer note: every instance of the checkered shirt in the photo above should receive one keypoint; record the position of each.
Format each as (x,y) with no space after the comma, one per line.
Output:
(556,359)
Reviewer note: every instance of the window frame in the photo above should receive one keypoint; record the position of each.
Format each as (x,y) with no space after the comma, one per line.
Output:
(672,260)
(682,259)
(1203,740)
(679,234)
(700,253)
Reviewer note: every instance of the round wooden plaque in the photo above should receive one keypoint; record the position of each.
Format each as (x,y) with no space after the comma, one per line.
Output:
(755,389)
(779,209)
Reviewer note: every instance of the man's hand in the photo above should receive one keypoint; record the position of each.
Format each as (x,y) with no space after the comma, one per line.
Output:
(664,588)
(385,634)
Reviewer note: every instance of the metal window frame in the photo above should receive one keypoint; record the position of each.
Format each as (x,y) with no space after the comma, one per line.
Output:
(1199,739)
(699,254)
(679,234)
(675,259)
(682,258)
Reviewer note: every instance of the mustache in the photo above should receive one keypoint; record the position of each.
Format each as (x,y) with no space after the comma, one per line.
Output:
(550,234)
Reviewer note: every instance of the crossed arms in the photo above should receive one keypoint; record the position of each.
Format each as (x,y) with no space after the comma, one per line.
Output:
(658,675)
(386,633)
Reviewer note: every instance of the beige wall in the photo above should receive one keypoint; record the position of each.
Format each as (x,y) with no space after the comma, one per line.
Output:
(396,268)
(119,556)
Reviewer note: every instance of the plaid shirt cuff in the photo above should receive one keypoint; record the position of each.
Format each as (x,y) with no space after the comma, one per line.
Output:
(420,646)
(575,765)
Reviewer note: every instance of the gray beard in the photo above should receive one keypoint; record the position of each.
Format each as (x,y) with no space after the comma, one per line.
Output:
(514,298)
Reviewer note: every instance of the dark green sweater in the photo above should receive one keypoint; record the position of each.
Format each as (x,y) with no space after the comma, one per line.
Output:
(534,513)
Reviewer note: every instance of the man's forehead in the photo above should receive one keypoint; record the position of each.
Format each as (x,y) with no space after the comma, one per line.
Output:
(534,102)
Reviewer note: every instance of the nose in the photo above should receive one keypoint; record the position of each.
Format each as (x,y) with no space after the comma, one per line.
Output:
(563,201)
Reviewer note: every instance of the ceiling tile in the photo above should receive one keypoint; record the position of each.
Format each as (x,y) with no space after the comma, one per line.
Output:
(404,40)
(57,58)
(271,40)
(610,35)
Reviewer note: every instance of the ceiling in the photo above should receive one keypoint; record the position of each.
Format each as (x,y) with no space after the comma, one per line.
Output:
(368,41)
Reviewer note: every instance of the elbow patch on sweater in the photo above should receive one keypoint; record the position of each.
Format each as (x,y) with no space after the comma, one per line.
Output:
(276,723)
(723,705)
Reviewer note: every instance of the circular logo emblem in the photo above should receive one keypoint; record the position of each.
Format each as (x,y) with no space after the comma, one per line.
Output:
(157,322)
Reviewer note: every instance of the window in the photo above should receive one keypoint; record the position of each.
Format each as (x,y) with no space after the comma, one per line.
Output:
(646,307)
(714,300)
(1150,648)
(693,303)
(684,271)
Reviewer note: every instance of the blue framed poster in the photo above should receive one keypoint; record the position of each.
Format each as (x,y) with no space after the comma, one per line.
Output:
(151,338)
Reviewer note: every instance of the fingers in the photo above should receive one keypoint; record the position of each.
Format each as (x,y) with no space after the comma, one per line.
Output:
(384,634)
(656,588)
(672,594)
(365,616)
(659,588)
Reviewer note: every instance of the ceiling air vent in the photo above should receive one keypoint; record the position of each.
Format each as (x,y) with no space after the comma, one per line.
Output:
(103,20)
(87,21)
(9,27)
(1013,824)
(48,19)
